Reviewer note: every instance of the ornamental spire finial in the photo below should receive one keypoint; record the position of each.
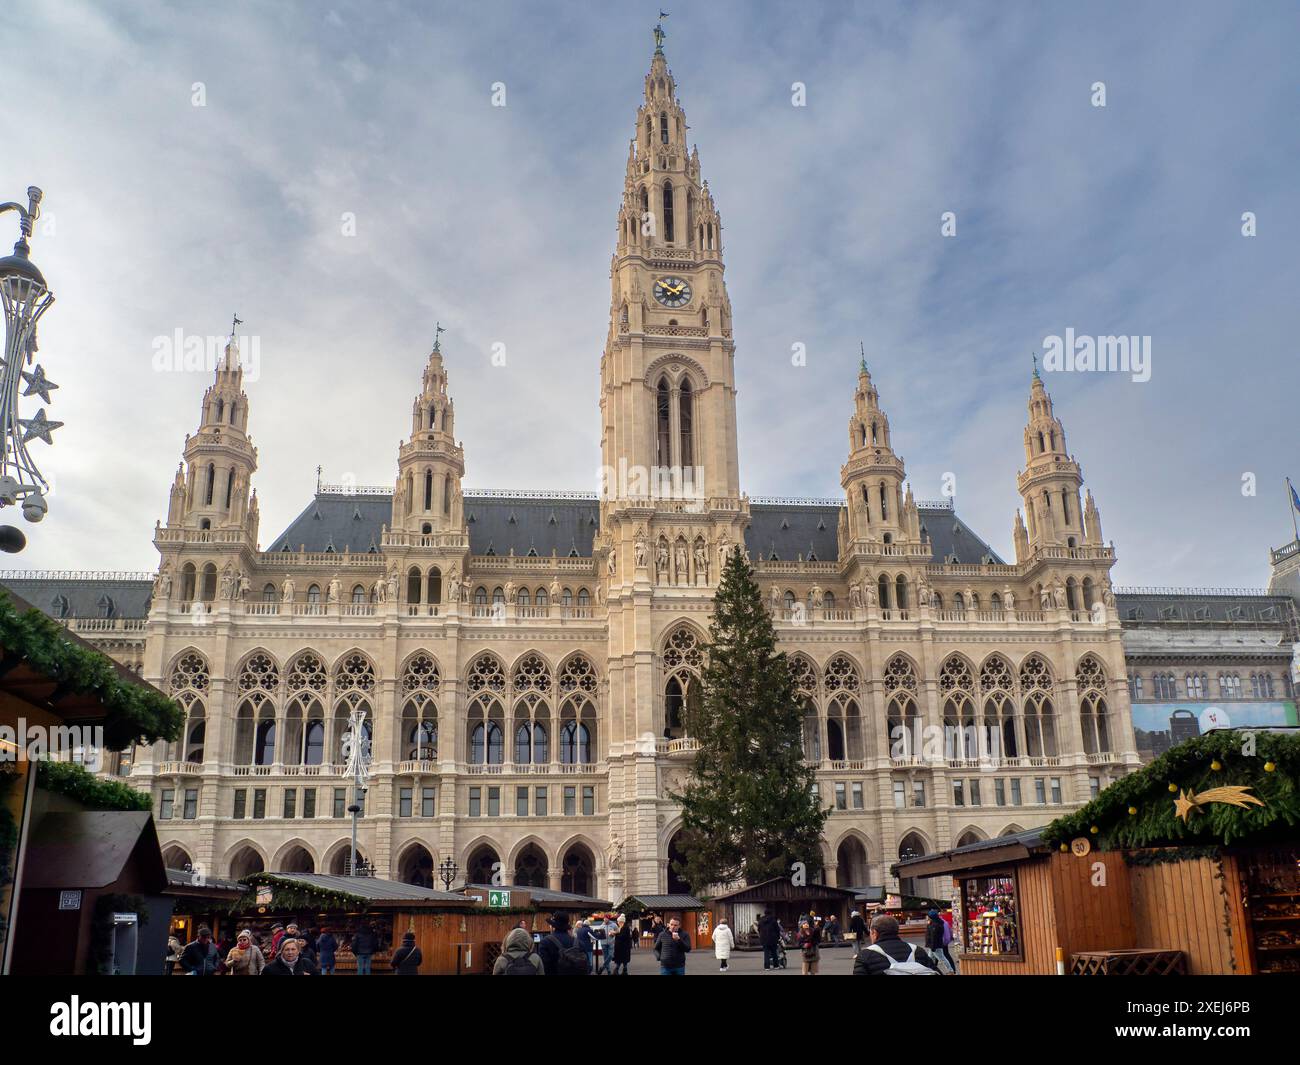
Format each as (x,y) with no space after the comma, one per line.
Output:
(659,33)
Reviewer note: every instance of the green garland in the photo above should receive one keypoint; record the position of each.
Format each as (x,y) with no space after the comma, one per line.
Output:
(101,929)
(95,793)
(134,713)
(1189,767)
(293,895)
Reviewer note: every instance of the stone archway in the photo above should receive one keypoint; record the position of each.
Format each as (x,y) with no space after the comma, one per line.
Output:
(578,870)
(851,868)
(416,866)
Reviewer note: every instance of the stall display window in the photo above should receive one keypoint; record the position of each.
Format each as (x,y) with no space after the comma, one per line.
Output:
(1273,879)
(992,913)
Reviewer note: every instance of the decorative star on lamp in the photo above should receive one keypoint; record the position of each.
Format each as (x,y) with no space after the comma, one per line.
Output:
(38,384)
(39,427)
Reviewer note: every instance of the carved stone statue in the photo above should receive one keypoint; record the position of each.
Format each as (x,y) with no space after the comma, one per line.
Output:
(639,548)
(555,591)
(600,594)
(855,595)
(923,592)
(163,585)
(244,585)
(511,591)
(287,592)
(227,584)
(815,596)
(1058,593)
(334,591)
(380,591)
(615,852)
(774,597)
(464,588)
(661,560)
(680,558)
(1045,598)
(611,562)
(1008,599)
(1107,593)
(871,592)
(701,564)
(724,549)
(392,584)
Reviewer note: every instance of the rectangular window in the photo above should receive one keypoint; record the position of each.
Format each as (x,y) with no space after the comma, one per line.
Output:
(290,802)
(1015,791)
(918,793)
(259,804)
(841,796)
(975,793)
(521,802)
(1000,791)
(539,802)
(1094,787)
(993,922)
(340,802)
(475,802)
(1056,790)
(241,804)
(494,802)
(308,802)
(900,794)
(588,800)
(166,803)
(570,800)
(427,802)
(958,794)
(404,796)
(191,803)
(1040,791)
(857,795)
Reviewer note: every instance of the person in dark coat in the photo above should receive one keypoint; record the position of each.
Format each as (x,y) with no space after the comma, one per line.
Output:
(859,929)
(551,945)
(622,947)
(884,934)
(289,962)
(364,945)
(769,934)
(202,957)
(935,931)
(671,949)
(407,957)
(326,947)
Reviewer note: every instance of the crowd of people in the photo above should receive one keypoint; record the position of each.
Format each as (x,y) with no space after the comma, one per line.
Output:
(287,951)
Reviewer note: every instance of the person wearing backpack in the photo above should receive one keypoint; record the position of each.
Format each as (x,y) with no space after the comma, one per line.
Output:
(517,957)
(560,953)
(408,957)
(889,955)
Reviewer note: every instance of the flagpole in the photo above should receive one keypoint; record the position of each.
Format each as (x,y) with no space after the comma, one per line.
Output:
(1290,499)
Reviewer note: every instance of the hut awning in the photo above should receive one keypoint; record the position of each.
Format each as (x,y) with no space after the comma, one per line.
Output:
(987,852)
(91,849)
(661,902)
(780,889)
(371,890)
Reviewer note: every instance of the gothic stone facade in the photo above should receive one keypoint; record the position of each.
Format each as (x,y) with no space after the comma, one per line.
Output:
(522,660)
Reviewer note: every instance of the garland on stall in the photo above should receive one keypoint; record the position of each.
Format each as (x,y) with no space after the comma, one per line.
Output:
(95,793)
(135,713)
(1219,788)
(102,927)
(293,895)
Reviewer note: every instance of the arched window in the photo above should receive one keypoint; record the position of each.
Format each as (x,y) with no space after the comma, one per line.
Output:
(434,591)
(428,490)
(358,594)
(900,586)
(682,659)
(882,586)
(884,505)
(230,486)
(313,594)
(577,733)
(684,408)
(663,454)
(668,211)
(446,482)
(212,480)
(209,582)
(663,127)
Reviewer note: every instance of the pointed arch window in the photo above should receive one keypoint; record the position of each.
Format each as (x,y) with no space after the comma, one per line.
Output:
(685,407)
(668,211)
(212,478)
(884,505)
(428,490)
(663,128)
(446,490)
(663,454)
(230,486)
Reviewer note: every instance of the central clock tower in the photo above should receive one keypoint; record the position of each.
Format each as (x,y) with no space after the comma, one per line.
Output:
(671,508)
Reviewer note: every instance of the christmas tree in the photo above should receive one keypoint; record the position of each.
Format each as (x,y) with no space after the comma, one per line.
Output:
(749,809)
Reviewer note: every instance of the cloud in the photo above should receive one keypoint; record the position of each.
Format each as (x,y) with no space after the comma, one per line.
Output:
(499,223)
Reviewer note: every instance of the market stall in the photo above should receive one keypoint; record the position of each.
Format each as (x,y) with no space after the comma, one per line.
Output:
(696,917)
(1195,855)
(788,901)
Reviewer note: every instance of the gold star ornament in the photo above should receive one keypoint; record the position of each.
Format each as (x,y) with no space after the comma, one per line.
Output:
(1236,795)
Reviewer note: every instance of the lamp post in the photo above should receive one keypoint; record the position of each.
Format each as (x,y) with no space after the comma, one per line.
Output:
(448,870)
(24,298)
(356,751)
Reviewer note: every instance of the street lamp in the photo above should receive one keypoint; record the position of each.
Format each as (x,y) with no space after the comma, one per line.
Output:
(25,299)
(356,752)
(448,870)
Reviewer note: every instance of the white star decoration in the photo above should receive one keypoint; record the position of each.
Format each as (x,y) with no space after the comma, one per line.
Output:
(38,384)
(39,426)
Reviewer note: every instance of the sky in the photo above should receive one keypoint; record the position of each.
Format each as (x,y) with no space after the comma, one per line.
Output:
(339,177)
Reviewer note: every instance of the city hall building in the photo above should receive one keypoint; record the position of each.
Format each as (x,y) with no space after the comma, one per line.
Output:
(523,659)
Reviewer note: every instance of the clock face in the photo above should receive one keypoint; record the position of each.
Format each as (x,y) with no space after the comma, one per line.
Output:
(672,291)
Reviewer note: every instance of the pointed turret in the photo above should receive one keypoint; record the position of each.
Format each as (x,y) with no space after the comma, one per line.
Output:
(873,475)
(430,464)
(1050,481)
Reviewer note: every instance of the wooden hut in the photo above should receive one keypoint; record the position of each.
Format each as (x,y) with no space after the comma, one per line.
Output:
(786,900)
(696,917)
(1191,865)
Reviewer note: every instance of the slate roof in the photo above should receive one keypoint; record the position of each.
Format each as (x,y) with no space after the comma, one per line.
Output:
(546,897)
(128,597)
(566,526)
(663,902)
(1229,606)
(370,888)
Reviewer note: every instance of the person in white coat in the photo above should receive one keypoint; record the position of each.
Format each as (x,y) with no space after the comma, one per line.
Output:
(723,942)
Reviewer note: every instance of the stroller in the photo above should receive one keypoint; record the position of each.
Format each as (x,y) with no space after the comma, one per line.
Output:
(781,960)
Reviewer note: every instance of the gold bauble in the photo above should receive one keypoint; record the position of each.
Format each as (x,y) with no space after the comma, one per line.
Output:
(1216,765)
(1132,810)
(1173,789)
(1269,767)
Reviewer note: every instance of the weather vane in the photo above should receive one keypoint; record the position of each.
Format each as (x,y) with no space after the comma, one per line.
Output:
(438,330)
(659,33)
(235,321)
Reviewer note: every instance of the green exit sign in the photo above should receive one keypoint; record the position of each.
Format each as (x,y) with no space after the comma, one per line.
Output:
(498,900)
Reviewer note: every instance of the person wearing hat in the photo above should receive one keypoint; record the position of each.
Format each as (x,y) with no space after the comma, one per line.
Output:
(290,962)
(936,932)
(559,951)
(277,934)
(201,958)
(245,957)
(858,930)
(407,957)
